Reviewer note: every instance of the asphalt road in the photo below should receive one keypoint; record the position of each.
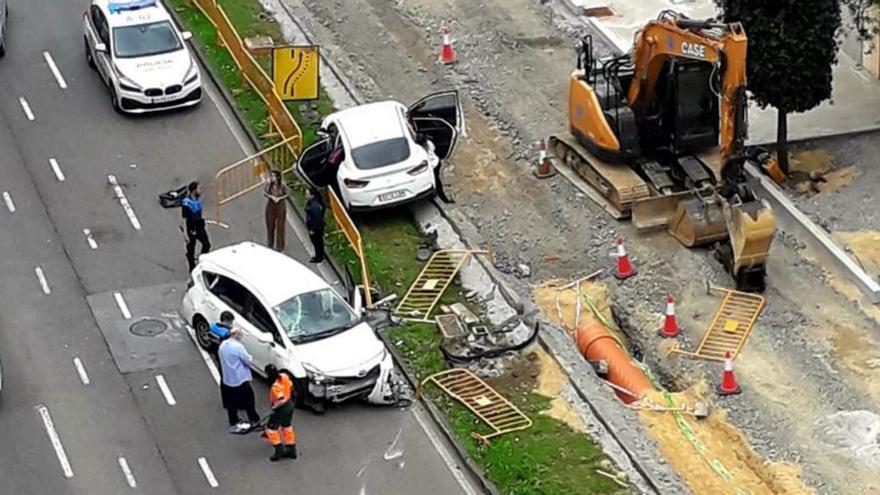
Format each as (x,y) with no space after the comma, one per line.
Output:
(82,410)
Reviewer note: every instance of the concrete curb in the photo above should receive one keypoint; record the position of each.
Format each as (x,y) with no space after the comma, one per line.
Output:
(436,416)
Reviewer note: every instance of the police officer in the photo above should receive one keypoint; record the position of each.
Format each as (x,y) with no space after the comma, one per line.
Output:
(192,224)
(220,329)
(281,421)
(315,223)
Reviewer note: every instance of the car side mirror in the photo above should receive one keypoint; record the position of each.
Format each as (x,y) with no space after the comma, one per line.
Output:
(100,47)
(186,35)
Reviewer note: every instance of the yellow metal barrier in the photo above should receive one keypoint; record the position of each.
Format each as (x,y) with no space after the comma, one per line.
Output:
(244,176)
(279,117)
(344,222)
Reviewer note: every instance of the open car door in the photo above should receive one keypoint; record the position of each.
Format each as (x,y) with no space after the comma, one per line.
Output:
(313,164)
(439,118)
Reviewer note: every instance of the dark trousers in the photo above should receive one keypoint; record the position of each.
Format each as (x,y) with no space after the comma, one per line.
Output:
(276,215)
(240,398)
(192,236)
(317,239)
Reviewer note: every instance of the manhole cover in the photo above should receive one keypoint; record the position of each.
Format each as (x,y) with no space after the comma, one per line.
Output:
(148,327)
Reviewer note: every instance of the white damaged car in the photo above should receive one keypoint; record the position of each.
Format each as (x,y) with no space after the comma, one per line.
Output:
(141,56)
(384,154)
(292,318)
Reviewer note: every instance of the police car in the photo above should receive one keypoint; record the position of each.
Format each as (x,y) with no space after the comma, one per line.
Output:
(141,56)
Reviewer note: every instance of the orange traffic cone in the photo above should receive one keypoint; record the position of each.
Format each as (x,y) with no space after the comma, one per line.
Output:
(670,325)
(544,168)
(625,268)
(447,55)
(728,384)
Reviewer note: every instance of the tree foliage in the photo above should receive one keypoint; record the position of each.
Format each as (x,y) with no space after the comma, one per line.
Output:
(792,49)
(866,20)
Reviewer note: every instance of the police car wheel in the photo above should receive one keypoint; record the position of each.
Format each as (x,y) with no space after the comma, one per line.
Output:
(114,101)
(203,336)
(89,58)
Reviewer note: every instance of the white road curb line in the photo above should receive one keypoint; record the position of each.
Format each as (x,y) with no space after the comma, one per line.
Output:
(81,371)
(126,470)
(163,386)
(41,277)
(56,441)
(54,68)
(212,368)
(7,198)
(124,202)
(90,239)
(57,169)
(27,109)
(209,475)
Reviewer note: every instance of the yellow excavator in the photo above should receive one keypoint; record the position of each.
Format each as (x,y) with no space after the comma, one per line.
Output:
(659,134)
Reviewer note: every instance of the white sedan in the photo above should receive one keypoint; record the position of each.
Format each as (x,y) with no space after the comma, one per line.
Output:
(141,56)
(384,154)
(293,319)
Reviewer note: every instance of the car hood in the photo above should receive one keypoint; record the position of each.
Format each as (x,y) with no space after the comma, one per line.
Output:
(157,71)
(344,354)
(417,155)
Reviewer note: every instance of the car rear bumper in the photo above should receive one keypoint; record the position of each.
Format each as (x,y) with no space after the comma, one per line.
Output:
(410,189)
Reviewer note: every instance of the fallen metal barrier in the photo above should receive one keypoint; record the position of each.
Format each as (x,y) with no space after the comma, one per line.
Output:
(429,286)
(482,400)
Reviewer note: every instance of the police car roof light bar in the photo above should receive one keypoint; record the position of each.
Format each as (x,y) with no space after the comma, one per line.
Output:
(117,7)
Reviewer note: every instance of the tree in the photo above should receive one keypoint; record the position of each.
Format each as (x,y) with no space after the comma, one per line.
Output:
(865,17)
(792,50)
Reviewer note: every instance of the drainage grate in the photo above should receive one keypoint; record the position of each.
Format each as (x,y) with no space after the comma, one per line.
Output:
(148,327)
(731,326)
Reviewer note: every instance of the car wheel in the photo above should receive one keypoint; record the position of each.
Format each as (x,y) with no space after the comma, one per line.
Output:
(203,334)
(3,48)
(114,101)
(89,58)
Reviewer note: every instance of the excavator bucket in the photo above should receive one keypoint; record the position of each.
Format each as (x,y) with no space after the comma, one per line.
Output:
(658,211)
(699,220)
(751,226)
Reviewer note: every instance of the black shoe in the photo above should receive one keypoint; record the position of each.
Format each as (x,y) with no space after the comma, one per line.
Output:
(291,451)
(314,259)
(278,454)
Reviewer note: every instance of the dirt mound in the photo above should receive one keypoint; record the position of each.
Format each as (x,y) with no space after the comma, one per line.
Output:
(716,458)
(819,161)
(551,379)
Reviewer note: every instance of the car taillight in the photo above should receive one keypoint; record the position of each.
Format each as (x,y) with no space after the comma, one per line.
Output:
(355,184)
(421,168)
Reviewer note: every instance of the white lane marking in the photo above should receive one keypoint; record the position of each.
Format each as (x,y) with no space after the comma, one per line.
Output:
(54,68)
(56,441)
(124,202)
(123,308)
(212,368)
(27,109)
(126,470)
(7,198)
(444,454)
(81,371)
(169,397)
(57,169)
(209,475)
(44,284)
(91,240)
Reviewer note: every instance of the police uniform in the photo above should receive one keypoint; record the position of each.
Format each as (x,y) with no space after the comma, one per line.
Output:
(191,210)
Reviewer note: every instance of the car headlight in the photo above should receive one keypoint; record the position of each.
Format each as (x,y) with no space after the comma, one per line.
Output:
(192,73)
(314,375)
(125,82)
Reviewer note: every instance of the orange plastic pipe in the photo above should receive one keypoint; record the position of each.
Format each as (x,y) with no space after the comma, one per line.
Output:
(595,343)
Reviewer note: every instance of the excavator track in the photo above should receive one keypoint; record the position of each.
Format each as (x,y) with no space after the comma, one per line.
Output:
(614,187)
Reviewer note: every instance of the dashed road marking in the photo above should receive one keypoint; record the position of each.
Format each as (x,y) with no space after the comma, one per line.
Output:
(57,169)
(27,109)
(212,368)
(7,198)
(126,470)
(163,386)
(81,371)
(54,68)
(124,202)
(209,475)
(56,441)
(90,239)
(41,277)
(123,308)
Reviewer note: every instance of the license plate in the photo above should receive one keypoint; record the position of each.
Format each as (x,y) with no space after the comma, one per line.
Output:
(392,195)
(164,99)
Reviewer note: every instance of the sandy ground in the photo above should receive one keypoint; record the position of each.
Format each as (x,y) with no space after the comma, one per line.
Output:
(514,58)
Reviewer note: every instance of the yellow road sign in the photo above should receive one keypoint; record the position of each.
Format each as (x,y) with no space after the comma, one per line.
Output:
(295,72)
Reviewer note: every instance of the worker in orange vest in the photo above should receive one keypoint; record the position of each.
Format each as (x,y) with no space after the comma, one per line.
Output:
(281,421)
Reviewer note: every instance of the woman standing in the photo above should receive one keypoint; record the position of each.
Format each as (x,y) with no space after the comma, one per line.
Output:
(276,192)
